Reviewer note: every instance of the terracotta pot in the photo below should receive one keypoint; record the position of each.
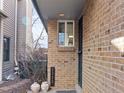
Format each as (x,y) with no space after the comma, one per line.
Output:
(35,87)
(45,86)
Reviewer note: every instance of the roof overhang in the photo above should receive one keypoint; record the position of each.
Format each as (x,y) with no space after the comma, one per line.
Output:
(35,3)
(2,15)
(58,9)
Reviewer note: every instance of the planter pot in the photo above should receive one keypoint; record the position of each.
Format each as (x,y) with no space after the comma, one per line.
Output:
(44,86)
(35,87)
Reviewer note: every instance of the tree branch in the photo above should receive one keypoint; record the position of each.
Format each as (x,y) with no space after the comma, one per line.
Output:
(37,41)
(35,21)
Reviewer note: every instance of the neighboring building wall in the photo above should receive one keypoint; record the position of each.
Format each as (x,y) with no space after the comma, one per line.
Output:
(103,63)
(24,33)
(8,29)
(24,28)
(29,35)
(21,33)
(63,59)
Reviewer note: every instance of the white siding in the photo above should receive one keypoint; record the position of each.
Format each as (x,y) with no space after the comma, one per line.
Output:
(8,29)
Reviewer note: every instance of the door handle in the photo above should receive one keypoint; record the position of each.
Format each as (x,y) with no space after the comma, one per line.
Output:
(80,51)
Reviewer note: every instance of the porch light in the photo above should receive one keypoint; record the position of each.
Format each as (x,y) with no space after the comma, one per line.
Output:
(119,44)
(61,14)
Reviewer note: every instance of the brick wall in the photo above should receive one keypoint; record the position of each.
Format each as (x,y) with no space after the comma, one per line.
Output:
(63,59)
(103,63)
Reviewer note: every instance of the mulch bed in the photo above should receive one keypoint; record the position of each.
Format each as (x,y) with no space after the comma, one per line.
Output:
(8,83)
(16,86)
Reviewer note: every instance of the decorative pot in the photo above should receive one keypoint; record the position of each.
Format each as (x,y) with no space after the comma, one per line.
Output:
(45,86)
(35,87)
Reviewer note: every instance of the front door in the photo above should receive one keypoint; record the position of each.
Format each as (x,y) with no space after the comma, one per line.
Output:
(80,39)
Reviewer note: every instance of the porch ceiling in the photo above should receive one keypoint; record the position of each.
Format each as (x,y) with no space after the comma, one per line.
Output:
(50,9)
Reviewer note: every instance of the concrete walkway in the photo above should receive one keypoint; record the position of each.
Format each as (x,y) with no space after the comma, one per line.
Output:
(55,91)
(42,92)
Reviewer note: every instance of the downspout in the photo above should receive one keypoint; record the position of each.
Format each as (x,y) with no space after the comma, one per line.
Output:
(16,15)
(1,43)
(1,49)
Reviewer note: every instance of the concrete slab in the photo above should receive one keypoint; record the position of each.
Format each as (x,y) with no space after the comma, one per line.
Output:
(58,91)
(52,91)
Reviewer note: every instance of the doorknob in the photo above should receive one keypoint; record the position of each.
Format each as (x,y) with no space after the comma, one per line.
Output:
(80,51)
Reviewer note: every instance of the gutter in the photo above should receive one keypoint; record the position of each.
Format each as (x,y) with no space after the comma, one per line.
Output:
(39,13)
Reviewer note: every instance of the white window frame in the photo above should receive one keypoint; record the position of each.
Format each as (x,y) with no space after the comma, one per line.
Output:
(66,21)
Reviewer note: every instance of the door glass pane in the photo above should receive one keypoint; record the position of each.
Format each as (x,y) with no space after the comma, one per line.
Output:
(61,33)
(69,35)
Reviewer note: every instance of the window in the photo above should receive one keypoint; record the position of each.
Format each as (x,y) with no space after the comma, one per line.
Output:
(66,33)
(6,49)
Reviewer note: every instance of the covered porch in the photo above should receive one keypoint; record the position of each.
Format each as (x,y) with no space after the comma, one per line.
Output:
(65,49)
(86,44)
